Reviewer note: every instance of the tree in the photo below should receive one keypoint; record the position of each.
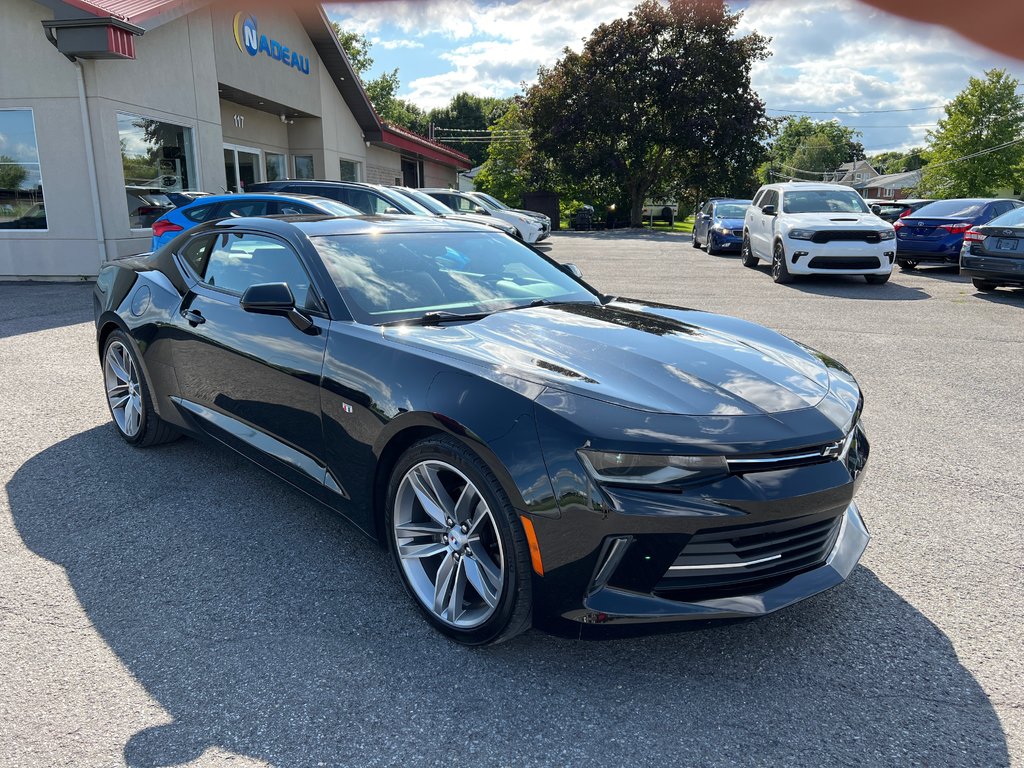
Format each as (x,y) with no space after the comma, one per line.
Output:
(899,162)
(977,149)
(651,100)
(507,172)
(807,149)
(472,115)
(356,47)
(12,173)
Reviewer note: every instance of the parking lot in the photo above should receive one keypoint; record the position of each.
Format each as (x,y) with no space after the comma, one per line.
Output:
(180,607)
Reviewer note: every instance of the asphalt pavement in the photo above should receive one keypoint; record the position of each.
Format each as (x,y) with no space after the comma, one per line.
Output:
(178,606)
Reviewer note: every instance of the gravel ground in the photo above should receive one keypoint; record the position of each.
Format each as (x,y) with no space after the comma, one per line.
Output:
(179,607)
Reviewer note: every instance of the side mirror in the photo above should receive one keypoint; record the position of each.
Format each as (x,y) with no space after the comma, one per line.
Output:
(768,210)
(573,270)
(876,209)
(274,299)
(391,211)
(481,211)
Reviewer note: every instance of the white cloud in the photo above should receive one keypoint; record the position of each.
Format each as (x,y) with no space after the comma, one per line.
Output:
(393,44)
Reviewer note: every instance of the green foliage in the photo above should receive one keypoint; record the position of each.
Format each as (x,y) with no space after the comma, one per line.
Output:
(899,162)
(805,149)
(12,175)
(470,113)
(988,113)
(657,101)
(506,173)
(356,46)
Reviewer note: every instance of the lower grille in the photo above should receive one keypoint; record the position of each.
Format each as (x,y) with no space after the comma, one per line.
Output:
(846,235)
(844,262)
(723,561)
(737,233)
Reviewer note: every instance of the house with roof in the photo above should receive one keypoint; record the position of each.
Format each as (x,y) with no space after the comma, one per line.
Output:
(107,105)
(892,186)
(852,173)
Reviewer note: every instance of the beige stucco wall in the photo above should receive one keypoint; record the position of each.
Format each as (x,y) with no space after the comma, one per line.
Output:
(437,175)
(383,166)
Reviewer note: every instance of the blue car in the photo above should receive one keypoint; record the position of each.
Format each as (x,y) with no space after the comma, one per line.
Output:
(211,207)
(719,225)
(934,233)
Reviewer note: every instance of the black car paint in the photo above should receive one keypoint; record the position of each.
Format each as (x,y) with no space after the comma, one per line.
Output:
(332,408)
(1002,268)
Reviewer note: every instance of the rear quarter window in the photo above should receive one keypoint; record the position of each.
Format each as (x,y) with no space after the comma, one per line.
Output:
(200,213)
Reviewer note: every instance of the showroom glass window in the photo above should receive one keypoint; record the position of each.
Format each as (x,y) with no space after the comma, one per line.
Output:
(303,166)
(349,170)
(156,157)
(21,186)
(277,167)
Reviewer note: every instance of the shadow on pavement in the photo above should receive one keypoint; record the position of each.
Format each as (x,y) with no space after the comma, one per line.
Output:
(1011,297)
(265,625)
(27,307)
(852,287)
(949,273)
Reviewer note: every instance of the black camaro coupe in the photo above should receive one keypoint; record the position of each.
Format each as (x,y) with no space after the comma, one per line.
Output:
(529,450)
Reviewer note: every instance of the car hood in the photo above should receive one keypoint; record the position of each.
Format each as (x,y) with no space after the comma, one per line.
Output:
(730,223)
(472,218)
(646,357)
(834,220)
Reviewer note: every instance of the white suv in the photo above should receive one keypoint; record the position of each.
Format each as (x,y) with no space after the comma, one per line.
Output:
(817,229)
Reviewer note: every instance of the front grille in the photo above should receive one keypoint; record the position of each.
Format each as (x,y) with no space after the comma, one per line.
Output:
(846,235)
(722,561)
(844,262)
(737,233)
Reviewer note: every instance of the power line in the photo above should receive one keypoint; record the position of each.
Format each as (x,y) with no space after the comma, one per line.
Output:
(851,111)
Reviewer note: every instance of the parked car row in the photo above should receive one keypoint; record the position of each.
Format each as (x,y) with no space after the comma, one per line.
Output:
(803,228)
(344,198)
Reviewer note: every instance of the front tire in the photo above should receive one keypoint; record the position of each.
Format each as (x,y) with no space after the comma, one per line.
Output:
(985,286)
(747,254)
(458,544)
(128,396)
(710,244)
(780,269)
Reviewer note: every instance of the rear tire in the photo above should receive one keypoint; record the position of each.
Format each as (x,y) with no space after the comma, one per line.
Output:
(780,269)
(985,286)
(128,397)
(906,264)
(474,549)
(747,254)
(877,279)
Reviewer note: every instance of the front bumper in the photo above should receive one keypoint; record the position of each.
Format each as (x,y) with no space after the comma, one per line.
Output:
(614,605)
(722,242)
(840,258)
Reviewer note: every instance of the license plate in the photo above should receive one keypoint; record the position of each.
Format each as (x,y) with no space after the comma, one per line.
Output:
(1007,244)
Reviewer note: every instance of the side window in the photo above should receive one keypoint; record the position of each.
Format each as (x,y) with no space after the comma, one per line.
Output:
(288,208)
(708,209)
(998,209)
(243,207)
(238,260)
(359,199)
(379,203)
(197,252)
(771,198)
(465,205)
(200,213)
(757,198)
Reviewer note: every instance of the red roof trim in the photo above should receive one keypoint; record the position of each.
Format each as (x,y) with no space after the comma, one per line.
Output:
(133,10)
(404,139)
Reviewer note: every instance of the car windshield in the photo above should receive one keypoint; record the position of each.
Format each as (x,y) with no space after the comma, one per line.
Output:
(335,208)
(414,207)
(391,277)
(494,202)
(950,209)
(428,202)
(1012,218)
(731,210)
(823,201)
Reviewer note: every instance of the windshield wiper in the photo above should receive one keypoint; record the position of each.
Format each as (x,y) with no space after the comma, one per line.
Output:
(536,303)
(436,318)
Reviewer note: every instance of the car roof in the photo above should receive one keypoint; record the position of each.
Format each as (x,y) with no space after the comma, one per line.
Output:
(208,199)
(731,200)
(318,226)
(443,189)
(788,186)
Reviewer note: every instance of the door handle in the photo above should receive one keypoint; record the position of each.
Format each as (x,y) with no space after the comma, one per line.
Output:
(194,317)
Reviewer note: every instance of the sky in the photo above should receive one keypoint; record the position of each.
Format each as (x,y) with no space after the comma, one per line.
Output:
(830,58)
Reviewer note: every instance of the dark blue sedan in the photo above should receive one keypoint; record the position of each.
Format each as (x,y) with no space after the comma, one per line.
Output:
(934,234)
(211,207)
(719,225)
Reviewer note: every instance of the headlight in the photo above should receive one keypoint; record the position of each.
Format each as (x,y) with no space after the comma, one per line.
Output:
(648,469)
(801,234)
(722,229)
(887,234)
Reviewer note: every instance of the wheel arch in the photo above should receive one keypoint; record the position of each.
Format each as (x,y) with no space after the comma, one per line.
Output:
(410,428)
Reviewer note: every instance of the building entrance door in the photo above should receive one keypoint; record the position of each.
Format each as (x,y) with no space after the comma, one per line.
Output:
(242,167)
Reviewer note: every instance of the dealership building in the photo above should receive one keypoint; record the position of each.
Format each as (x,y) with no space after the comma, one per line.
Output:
(108,106)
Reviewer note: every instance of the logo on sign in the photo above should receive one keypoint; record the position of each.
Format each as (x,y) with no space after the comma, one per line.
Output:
(249,40)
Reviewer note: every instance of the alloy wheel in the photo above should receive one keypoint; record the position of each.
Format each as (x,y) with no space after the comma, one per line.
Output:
(124,392)
(448,544)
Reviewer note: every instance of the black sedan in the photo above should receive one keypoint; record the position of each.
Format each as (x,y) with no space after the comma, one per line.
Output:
(528,449)
(993,254)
